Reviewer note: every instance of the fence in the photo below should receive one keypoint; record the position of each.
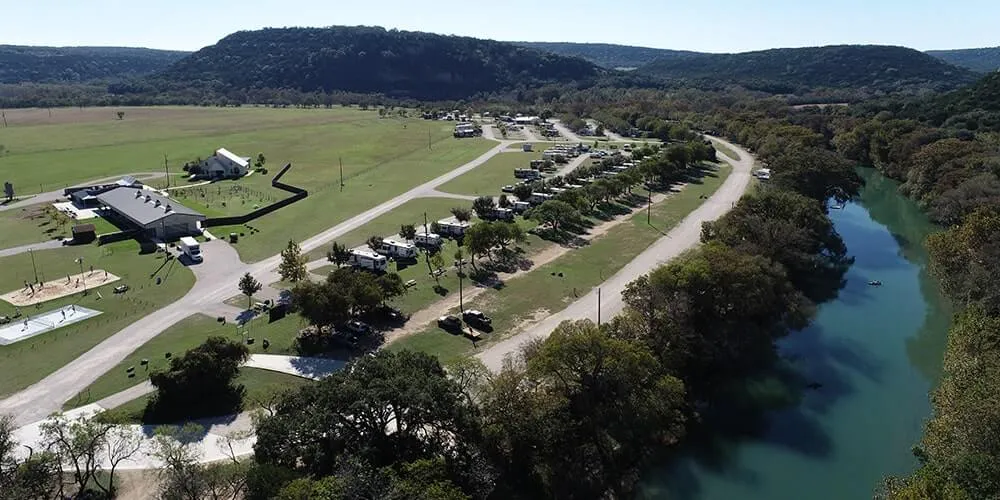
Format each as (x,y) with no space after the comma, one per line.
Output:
(119,236)
(297,194)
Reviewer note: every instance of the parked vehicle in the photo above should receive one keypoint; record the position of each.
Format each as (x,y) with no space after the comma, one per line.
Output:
(398,249)
(364,258)
(428,239)
(121,289)
(4,320)
(190,247)
(474,316)
(357,327)
(519,207)
(507,189)
(450,323)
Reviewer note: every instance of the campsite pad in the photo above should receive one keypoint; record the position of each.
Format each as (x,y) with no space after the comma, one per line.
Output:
(51,290)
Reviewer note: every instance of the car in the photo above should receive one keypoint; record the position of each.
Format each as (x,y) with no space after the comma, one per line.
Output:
(4,320)
(121,289)
(476,316)
(507,189)
(450,323)
(357,327)
(392,314)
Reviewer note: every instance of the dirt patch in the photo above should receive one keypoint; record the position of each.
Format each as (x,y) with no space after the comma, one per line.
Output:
(50,290)
(137,484)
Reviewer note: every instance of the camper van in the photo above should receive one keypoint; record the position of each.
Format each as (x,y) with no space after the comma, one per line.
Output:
(526,173)
(452,227)
(364,258)
(500,213)
(398,249)
(539,198)
(519,207)
(427,239)
(190,247)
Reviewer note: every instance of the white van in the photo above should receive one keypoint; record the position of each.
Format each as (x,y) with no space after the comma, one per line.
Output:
(366,259)
(191,248)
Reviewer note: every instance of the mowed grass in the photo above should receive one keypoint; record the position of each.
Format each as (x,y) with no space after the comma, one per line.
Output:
(27,225)
(381,158)
(487,179)
(261,385)
(181,337)
(28,361)
(726,150)
(542,291)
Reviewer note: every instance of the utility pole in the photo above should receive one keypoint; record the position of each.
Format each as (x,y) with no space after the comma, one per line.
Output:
(649,206)
(460,264)
(166,169)
(33,268)
(4,115)
(341,159)
(598,307)
(429,140)
(425,224)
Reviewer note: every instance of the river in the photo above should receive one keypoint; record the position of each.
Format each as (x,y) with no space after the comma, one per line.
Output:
(870,359)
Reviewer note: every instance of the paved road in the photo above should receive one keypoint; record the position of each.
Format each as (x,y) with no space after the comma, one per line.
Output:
(529,135)
(57,195)
(44,245)
(565,131)
(573,165)
(681,238)
(213,285)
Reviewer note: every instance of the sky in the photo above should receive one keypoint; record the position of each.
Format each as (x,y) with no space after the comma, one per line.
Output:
(715,26)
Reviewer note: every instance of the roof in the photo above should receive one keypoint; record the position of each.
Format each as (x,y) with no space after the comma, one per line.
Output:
(140,205)
(225,153)
(84,228)
(367,252)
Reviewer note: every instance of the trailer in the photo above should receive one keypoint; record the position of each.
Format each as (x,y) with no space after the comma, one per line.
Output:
(427,239)
(364,258)
(452,227)
(539,198)
(398,249)
(526,173)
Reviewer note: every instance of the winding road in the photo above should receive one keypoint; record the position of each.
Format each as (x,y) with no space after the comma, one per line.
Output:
(684,236)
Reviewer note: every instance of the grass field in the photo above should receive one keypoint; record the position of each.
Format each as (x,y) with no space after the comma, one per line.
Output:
(29,224)
(261,386)
(179,338)
(542,291)
(32,359)
(487,179)
(381,157)
(726,150)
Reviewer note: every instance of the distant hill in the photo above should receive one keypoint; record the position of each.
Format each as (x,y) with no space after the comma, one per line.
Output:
(871,67)
(374,60)
(983,60)
(609,55)
(19,64)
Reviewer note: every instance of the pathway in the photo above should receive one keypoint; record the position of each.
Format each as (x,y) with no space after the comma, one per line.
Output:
(47,395)
(681,238)
(565,131)
(529,134)
(573,165)
(45,245)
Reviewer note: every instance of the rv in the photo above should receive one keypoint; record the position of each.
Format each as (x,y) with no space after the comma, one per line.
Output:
(427,239)
(452,227)
(526,173)
(499,213)
(191,248)
(364,258)
(519,207)
(539,198)
(763,174)
(399,250)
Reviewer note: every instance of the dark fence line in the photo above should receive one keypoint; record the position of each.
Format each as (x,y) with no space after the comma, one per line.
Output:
(118,236)
(297,194)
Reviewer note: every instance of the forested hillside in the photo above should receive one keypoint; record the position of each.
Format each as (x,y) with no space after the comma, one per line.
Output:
(374,60)
(19,64)
(608,55)
(983,60)
(881,68)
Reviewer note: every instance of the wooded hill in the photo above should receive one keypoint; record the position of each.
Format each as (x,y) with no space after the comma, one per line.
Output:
(374,60)
(609,55)
(983,60)
(870,67)
(19,64)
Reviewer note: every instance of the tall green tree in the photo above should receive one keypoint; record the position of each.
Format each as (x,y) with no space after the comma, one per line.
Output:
(200,383)
(339,254)
(293,263)
(249,286)
(817,173)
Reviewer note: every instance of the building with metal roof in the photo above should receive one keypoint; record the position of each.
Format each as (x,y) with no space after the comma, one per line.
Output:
(224,163)
(153,214)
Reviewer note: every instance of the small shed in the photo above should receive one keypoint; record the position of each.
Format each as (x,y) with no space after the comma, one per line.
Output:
(84,233)
(526,147)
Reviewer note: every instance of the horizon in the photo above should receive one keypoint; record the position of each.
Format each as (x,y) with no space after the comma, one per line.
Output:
(189,25)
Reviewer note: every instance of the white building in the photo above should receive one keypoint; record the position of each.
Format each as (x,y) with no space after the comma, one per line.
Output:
(224,163)
(150,213)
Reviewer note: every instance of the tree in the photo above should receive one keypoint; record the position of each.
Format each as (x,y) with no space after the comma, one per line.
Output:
(817,173)
(390,285)
(523,191)
(462,214)
(120,115)
(408,231)
(483,206)
(392,408)
(199,383)
(249,286)
(259,163)
(554,213)
(184,477)
(437,260)
(339,254)
(375,243)
(321,304)
(504,202)
(37,477)
(293,263)
(83,444)
(965,260)
(479,240)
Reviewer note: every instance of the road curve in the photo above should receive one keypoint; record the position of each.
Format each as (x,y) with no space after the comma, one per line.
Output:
(681,238)
(47,395)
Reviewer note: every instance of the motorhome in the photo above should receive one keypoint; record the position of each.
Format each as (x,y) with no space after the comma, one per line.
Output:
(398,249)
(527,173)
(452,227)
(539,198)
(190,247)
(364,258)
(500,213)
(427,239)
(519,207)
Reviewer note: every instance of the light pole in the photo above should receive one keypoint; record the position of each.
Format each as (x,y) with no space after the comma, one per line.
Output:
(460,265)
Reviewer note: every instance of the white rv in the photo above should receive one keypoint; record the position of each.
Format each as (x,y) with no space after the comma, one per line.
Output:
(453,227)
(191,248)
(428,239)
(539,198)
(398,249)
(366,259)
(520,207)
(500,213)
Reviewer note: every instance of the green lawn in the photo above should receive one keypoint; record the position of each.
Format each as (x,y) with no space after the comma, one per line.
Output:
(487,179)
(582,269)
(261,386)
(32,359)
(381,158)
(179,338)
(726,150)
(23,226)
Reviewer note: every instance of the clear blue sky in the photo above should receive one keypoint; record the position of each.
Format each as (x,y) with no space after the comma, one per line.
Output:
(719,26)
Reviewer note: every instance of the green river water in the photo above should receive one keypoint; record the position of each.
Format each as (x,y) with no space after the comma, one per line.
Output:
(875,351)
